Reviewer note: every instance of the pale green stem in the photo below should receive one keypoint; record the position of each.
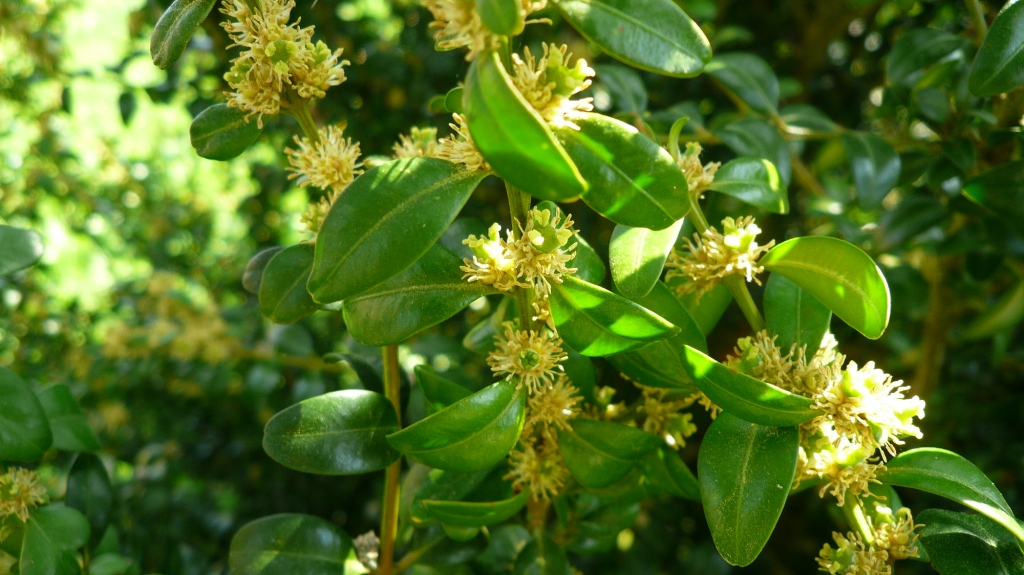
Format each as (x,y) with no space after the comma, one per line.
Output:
(858,519)
(978,19)
(519,206)
(392,490)
(300,110)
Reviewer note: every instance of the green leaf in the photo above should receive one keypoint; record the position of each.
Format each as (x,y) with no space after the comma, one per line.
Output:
(474,514)
(625,86)
(916,50)
(596,322)
(222,133)
(794,315)
(289,543)
(660,364)
(1006,313)
(89,491)
(949,475)
(512,136)
(1001,191)
(444,486)
(806,118)
(666,471)
(840,275)
(754,181)
(707,309)
(745,472)
(502,17)
(25,433)
(757,138)
(653,35)
(422,296)
(68,421)
(637,257)
(283,296)
(439,392)
(253,274)
(386,220)
(52,538)
(599,453)
(471,434)
(964,544)
(999,65)
(22,249)
(748,77)
(175,28)
(633,181)
(542,557)
(875,166)
(339,433)
(745,397)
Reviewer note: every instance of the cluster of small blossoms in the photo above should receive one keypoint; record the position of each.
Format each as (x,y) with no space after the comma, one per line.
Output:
(893,538)
(420,143)
(459,147)
(715,255)
(331,164)
(548,84)
(20,491)
(662,415)
(458,25)
(698,176)
(531,358)
(276,57)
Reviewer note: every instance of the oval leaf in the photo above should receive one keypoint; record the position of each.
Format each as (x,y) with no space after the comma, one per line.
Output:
(708,308)
(512,136)
(654,35)
(52,538)
(289,543)
(666,471)
(875,166)
(471,434)
(633,181)
(745,472)
(384,222)
(90,491)
(637,257)
(949,475)
(793,315)
(473,514)
(999,65)
(444,486)
(22,249)
(757,138)
(340,433)
(964,544)
(916,50)
(222,133)
(253,274)
(502,17)
(25,433)
(754,181)
(424,295)
(748,77)
(283,295)
(175,28)
(439,392)
(68,421)
(745,397)
(596,322)
(840,275)
(599,453)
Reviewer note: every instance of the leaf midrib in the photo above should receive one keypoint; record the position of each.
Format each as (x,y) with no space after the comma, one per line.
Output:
(831,275)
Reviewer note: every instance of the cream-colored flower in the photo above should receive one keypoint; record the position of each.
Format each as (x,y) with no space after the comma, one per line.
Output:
(551,407)
(662,416)
(852,556)
(760,358)
(457,25)
(330,164)
(492,262)
(538,470)
(420,143)
(842,480)
(705,402)
(698,176)
(20,491)
(715,256)
(532,358)
(897,534)
(459,148)
(548,84)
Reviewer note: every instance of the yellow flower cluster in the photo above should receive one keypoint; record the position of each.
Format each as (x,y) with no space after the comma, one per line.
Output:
(458,25)
(329,164)
(698,176)
(20,491)
(662,417)
(548,84)
(420,143)
(894,538)
(538,468)
(276,56)
(531,358)
(716,255)
(459,148)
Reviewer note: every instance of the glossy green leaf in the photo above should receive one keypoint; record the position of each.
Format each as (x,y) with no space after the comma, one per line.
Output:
(660,364)
(599,453)
(745,397)
(793,315)
(965,544)
(283,295)
(637,257)
(581,372)
(502,17)
(52,538)
(474,514)
(706,309)
(339,433)
(386,220)
(512,136)
(625,87)
(443,485)
(633,181)
(1006,313)
(917,50)
(757,138)
(999,64)
(22,249)
(68,421)
(439,392)
(875,166)
(949,475)
(667,472)
(745,472)
(750,78)
(1001,191)
(754,181)
(289,543)
(222,133)
(542,557)
(24,428)
(654,35)
(253,274)
(804,118)
(596,322)
(471,434)
(424,295)
(175,28)
(840,275)
(90,491)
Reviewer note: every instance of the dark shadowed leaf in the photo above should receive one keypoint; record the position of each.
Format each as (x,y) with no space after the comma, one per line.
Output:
(52,538)
(964,544)
(875,166)
(90,491)
(999,65)
(666,471)
(24,428)
(439,392)
(222,133)
(917,50)
(474,514)
(599,453)
(750,78)
(289,543)
(68,421)
(21,249)
(283,295)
